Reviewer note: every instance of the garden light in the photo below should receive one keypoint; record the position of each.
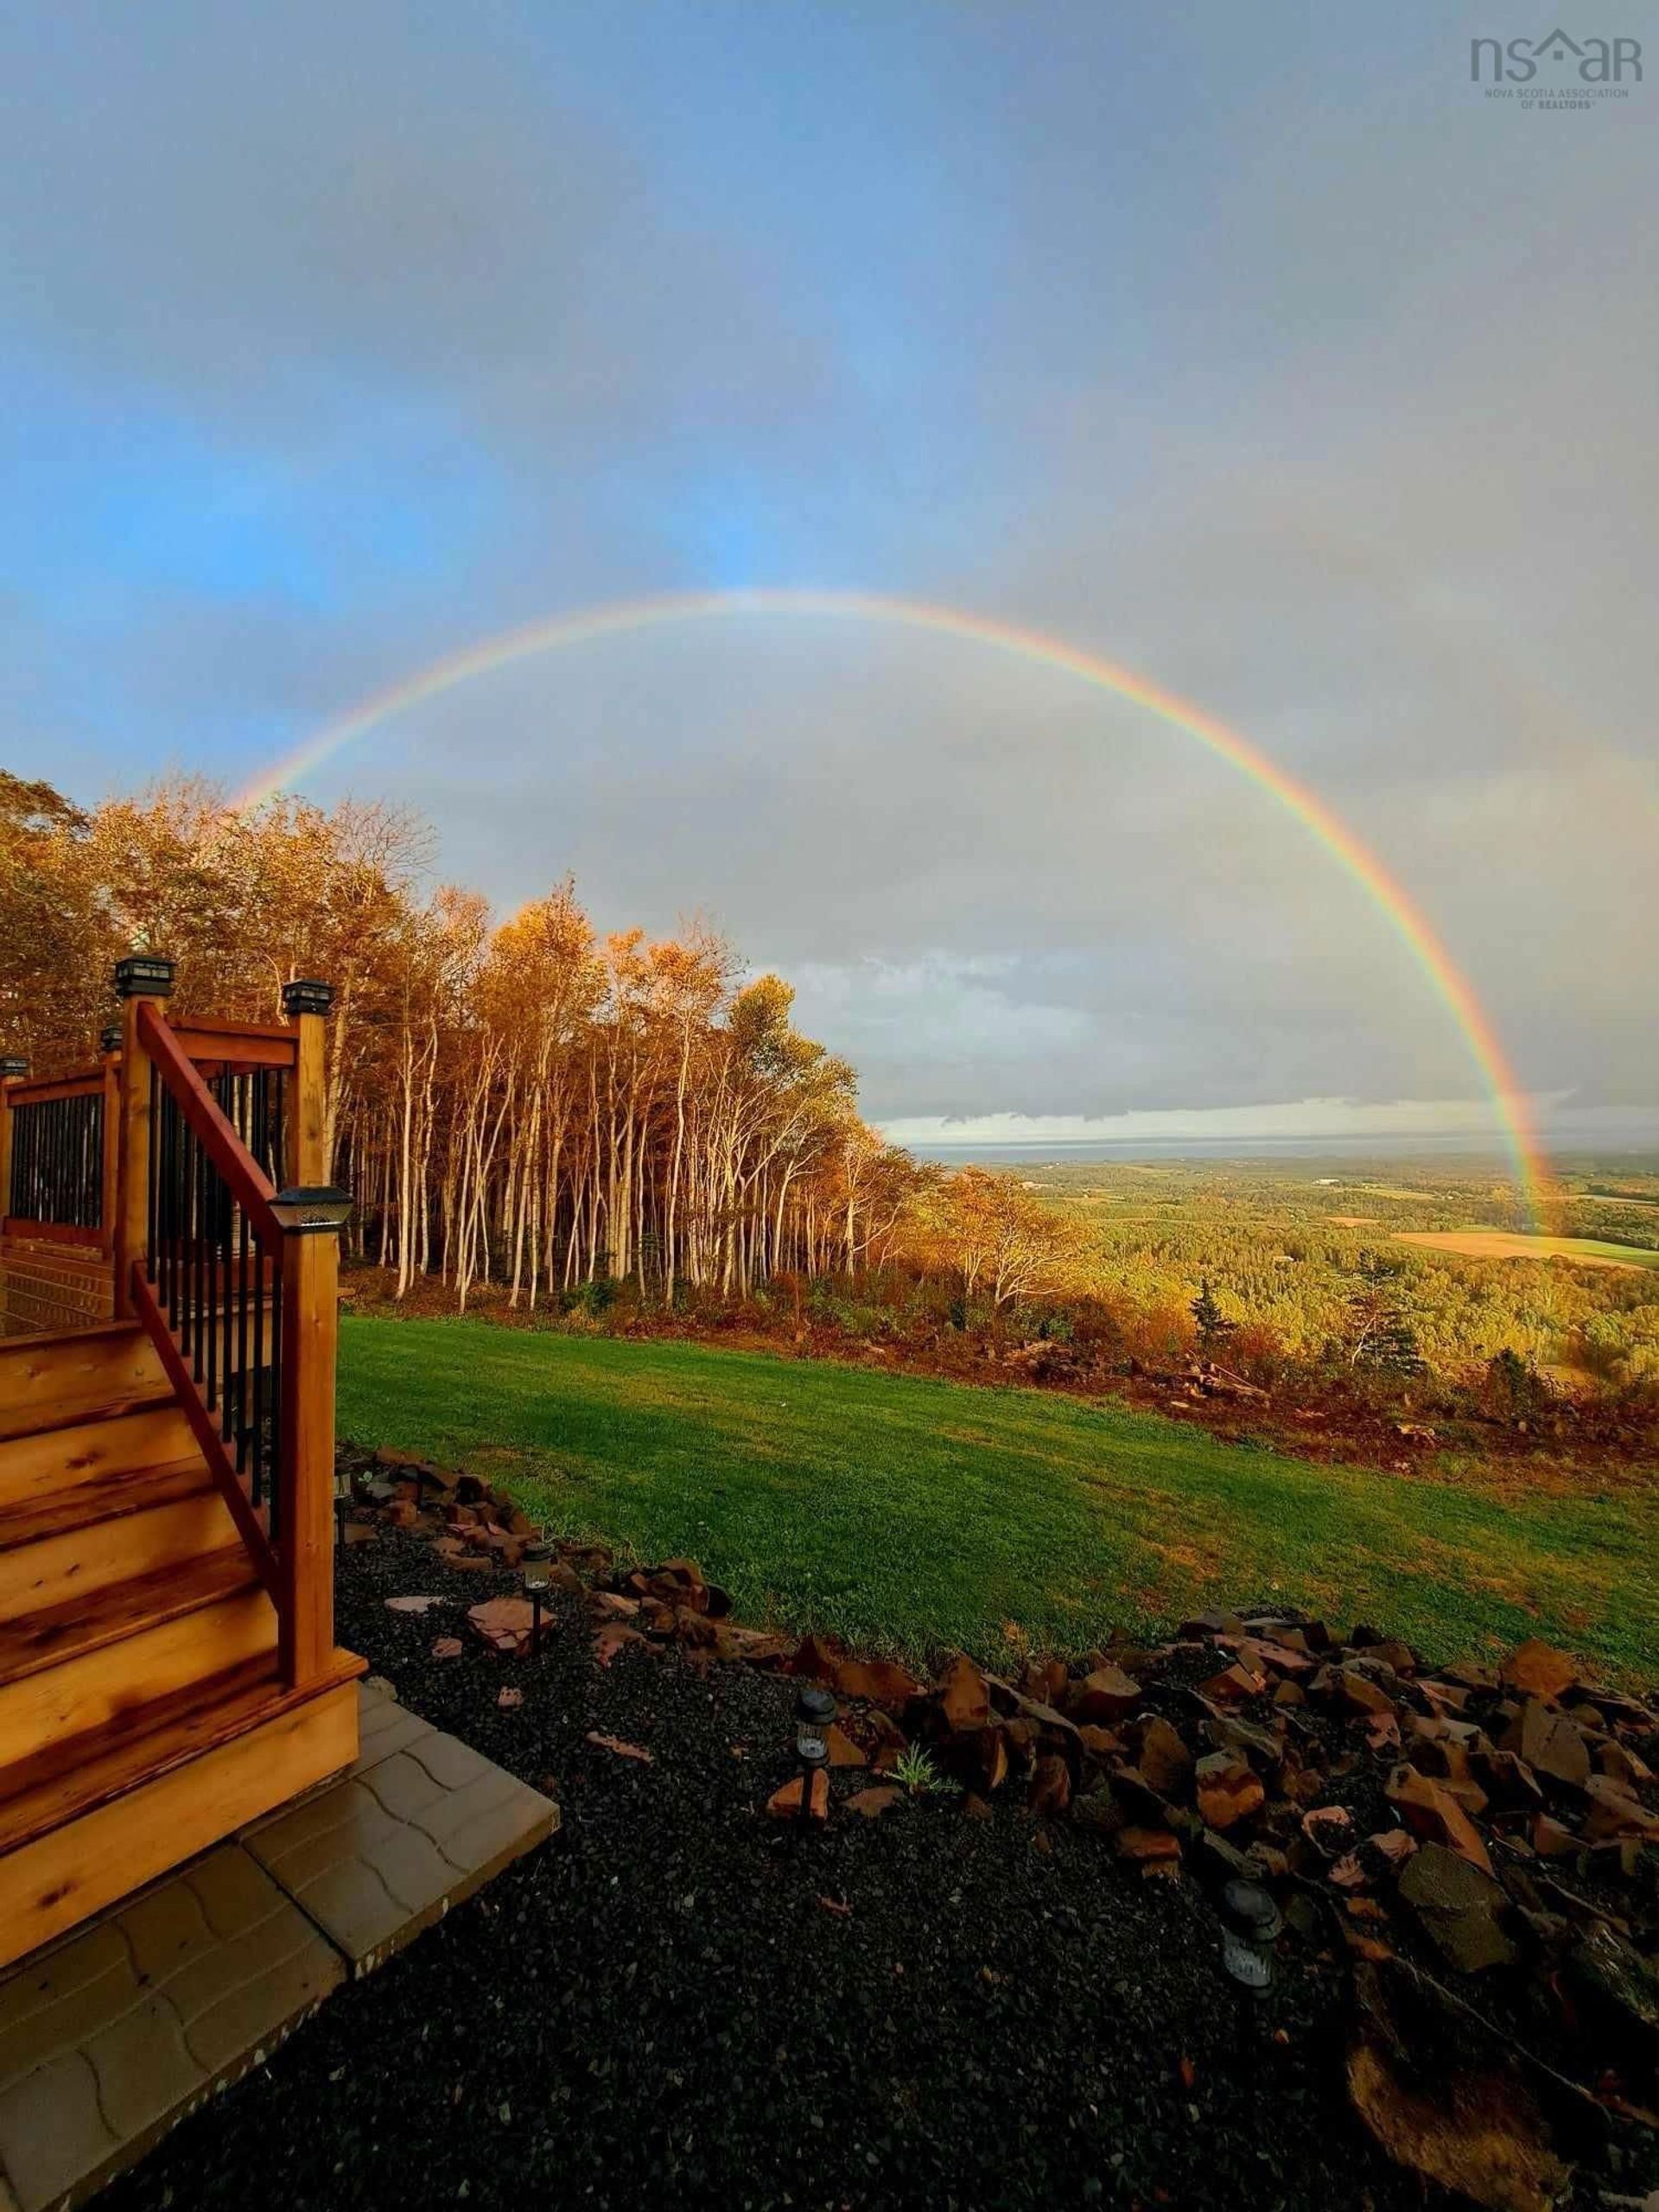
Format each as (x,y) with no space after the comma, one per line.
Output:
(813,1711)
(13,1064)
(342,1504)
(535,1589)
(1251,1925)
(109,1037)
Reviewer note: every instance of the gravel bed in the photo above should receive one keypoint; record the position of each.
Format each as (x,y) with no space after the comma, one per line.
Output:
(658,2008)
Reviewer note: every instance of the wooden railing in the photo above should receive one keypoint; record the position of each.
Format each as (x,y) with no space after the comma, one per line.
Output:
(58,1148)
(235,1280)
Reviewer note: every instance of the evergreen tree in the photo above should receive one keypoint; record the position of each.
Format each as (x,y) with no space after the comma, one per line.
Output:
(1213,1326)
(1380,1332)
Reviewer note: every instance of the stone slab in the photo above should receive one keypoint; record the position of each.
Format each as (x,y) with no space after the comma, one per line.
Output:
(110,2036)
(417,1825)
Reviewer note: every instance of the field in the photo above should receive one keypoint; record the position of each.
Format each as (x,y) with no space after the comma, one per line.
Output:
(908,1512)
(1510,1244)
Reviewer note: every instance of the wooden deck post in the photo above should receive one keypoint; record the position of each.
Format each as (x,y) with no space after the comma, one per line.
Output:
(137,978)
(110,1048)
(310,1335)
(305,1003)
(305,1543)
(12,1069)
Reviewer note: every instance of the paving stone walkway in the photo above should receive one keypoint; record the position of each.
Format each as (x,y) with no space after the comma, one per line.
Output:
(110,2037)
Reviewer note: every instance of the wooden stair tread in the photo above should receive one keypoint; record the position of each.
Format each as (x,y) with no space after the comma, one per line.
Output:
(94,1619)
(84,1771)
(71,1413)
(108,1497)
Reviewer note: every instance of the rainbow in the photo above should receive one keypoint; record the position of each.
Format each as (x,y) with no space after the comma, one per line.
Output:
(1509,1101)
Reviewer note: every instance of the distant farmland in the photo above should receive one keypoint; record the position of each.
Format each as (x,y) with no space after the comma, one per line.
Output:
(1508,1244)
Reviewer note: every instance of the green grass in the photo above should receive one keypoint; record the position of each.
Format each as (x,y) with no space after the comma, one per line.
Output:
(908,1513)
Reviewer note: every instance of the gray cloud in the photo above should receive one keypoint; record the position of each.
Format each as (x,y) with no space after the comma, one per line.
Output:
(1261,357)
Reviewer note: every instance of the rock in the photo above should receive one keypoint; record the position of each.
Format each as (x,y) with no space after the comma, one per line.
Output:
(612,1605)
(1615,1811)
(509,1699)
(506,1623)
(978,1758)
(754,1647)
(880,1680)
(413,1605)
(1098,1809)
(1433,1814)
(1356,1692)
(611,1639)
(1459,1906)
(1101,1743)
(1622,1764)
(784,1804)
(1163,1758)
(1510,1780)
(446,1647)
(1619,1988)
(1550,1840)
(1234,1685)
(1146,1845)
(1229,1790)
(623,1750)
(1537,1669)
(880,1798)
(1050,1786)
(882,1737)
(843,1751)
(1106,1694)
(1549,1744)
(964,1696)
(1475,2133)
(1329,1830)
(1391,1847)
(817,1658)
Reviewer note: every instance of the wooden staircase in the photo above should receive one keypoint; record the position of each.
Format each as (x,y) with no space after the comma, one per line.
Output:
(167,1671)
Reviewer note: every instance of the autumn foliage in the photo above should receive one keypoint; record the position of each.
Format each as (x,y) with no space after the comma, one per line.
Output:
(521,1104)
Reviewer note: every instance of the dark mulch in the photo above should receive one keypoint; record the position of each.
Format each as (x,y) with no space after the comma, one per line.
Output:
(658,2009)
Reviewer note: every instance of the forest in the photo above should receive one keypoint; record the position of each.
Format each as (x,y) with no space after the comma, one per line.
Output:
(536,1120)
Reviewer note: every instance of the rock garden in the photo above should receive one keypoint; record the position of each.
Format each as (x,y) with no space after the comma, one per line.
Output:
(1268,1914)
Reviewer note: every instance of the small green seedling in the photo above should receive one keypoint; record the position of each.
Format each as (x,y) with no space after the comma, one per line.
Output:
(915,1770)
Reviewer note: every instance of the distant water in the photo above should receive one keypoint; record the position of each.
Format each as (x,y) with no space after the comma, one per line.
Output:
(1471,1147)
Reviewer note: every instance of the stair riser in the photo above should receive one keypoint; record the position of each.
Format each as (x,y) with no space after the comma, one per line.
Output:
(31,1466)
(87,1560)
(48,1886)
(43,1380)
(100,1688)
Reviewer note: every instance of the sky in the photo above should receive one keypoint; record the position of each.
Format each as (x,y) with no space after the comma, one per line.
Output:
(1255,349)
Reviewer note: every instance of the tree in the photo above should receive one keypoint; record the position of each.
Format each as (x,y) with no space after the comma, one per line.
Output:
(1211,1323)
(1379,1333)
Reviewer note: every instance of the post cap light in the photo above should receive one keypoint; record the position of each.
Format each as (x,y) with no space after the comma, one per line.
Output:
(109,1037)
(309,1207)
(144,976)
(13,1064)
(305,995)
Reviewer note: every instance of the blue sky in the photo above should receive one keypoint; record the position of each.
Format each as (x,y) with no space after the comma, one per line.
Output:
(1254,348)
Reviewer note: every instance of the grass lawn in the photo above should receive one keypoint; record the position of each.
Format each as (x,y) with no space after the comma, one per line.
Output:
(908,1513)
